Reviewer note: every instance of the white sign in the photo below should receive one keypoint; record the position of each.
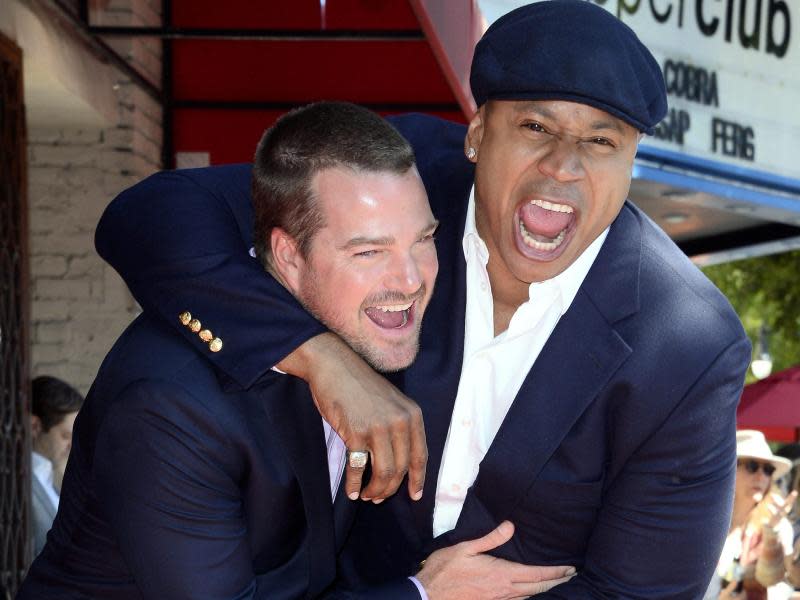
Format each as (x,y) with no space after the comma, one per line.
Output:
(732,69)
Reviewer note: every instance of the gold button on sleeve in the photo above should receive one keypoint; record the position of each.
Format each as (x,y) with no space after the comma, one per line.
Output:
(215,345)
(206,335)
(185,317)
(195,325)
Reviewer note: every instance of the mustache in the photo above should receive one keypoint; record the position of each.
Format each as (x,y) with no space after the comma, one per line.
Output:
(551,189)
(395,297)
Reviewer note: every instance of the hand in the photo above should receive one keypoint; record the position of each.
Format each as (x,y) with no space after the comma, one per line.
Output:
(775,508)
(464,572)
(367,412)
(778,508)
(730,592)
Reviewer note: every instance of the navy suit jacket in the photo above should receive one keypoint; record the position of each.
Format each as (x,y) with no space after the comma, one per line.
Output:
(617,455)
(178,487)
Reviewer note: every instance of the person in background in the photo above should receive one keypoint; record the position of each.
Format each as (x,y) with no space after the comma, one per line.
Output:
(54,406)
(791,482)
(756,558)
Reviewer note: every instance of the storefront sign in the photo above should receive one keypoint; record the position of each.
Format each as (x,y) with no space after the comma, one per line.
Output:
(732,70)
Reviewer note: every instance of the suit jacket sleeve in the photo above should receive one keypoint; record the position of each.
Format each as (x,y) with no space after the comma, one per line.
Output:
(181,241)
(400,589)
(166,469)
(664,518)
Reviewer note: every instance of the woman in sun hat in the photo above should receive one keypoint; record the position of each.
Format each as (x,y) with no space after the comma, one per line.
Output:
(758,548)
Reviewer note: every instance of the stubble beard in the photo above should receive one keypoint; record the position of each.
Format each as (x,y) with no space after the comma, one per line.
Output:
(383,359)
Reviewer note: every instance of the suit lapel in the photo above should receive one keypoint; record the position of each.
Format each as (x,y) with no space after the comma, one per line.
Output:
(580,357)
(432,381)
(291,410)
(344,511)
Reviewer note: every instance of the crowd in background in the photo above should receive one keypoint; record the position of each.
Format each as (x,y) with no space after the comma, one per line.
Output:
(761,556)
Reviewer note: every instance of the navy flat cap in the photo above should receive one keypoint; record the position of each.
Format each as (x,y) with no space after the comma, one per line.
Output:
(570,50)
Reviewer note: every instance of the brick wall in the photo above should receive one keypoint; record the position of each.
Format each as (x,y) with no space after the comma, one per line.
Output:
(79,303)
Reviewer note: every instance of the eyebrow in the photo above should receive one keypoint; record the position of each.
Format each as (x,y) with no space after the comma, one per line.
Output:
(387,240)
(594,125)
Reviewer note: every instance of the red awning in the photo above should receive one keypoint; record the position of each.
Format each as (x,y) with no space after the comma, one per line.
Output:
(773,402)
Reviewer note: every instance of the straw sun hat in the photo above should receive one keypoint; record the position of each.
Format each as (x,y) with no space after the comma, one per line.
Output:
(752,444)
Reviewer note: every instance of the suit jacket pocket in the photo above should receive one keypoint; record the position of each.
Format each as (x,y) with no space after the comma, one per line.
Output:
(554,521)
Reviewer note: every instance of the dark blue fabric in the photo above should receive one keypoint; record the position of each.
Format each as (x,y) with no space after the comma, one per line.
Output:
(570,50)
(178,489)
(162,219)
(618,454)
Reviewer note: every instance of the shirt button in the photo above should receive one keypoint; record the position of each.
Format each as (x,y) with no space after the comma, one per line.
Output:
(466,422)
(455,488)
(484,286)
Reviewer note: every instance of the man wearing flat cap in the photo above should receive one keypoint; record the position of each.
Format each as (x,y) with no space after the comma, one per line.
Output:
(577,375)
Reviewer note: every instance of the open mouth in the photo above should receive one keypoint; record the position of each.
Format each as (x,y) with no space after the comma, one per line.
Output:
(391,316)
(543,227)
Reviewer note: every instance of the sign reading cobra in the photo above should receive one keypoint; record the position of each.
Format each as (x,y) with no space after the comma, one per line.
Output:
(732,70)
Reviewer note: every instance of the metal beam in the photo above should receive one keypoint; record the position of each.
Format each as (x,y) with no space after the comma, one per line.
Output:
(167,143)
(106,52)
(270,35)
(743,238)
(288,105)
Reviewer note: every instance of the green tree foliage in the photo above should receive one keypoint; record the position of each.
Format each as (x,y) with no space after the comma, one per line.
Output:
(766,291)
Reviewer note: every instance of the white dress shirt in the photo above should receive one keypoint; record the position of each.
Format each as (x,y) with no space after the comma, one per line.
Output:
(43,471)
(494,368)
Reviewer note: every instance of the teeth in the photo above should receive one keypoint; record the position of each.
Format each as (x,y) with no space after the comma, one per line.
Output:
(537,245)
(554,207)
(395,308)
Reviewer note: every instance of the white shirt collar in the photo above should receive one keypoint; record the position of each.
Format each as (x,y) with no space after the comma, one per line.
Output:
(42,469)
(567,282)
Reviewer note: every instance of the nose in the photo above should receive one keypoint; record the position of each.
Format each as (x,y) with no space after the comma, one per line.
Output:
(561,160)
(404,274)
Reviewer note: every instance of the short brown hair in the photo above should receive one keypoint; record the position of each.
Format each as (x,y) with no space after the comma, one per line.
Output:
(52,400)
(300,144)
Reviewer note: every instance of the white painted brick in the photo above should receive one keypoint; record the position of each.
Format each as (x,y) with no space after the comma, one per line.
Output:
(47,353)
(48,266)
(119,137)
(52,155)
(83,266)
(56,332)
(79,304)
(49,310)
(68,244)
(61,289)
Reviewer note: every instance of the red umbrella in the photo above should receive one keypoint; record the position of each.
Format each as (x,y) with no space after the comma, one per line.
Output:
(772,402)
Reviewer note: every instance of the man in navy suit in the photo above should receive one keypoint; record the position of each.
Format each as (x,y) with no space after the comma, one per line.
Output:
(180,484)
(578,376)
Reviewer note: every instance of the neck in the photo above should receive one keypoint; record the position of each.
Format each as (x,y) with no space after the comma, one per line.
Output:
(508,294)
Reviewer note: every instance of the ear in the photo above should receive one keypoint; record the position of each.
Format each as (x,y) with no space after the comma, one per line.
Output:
(287,259)
(475,133)
(36,426)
